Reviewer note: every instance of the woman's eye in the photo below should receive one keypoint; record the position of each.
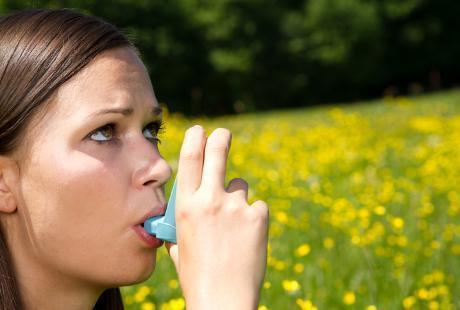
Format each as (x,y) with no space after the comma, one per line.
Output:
(104,133)
(152,130)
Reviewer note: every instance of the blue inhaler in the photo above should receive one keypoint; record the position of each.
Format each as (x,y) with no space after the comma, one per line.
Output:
(164,227)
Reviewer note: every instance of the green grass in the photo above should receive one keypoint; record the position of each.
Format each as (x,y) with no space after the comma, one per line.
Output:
(372,189)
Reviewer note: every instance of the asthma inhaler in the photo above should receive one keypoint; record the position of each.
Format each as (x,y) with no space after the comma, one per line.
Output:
(164,227)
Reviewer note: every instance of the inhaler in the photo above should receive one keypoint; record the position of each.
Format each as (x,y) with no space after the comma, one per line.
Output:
(164,226)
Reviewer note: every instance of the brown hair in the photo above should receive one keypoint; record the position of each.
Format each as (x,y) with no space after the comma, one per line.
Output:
(40,49)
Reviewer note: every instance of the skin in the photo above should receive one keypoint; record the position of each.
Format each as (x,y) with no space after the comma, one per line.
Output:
(68,203)
(221,252)
(74,201)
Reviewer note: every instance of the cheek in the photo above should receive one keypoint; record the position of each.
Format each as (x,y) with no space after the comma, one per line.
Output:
(79,211)
(77,192)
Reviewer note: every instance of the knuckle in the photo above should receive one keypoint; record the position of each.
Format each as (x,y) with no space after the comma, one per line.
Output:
(233,206)
(210,202)
(190,156)
(217,148)
(182,213)
(261,211)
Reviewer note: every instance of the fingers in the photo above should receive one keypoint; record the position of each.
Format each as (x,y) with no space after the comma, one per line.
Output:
(215,161)
(191,160)
(238,187)
(261,208)
(173,252)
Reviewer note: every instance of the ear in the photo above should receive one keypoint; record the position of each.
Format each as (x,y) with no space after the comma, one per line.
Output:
(9,176)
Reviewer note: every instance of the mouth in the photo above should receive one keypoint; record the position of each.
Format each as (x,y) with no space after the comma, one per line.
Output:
(157,211)
(146,238)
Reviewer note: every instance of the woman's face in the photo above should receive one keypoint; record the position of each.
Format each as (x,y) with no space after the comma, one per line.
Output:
(83,187)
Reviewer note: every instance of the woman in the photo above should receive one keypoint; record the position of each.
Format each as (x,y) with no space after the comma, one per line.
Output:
(80,171)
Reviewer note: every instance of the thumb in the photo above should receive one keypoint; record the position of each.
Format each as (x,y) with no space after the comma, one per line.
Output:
(173,252)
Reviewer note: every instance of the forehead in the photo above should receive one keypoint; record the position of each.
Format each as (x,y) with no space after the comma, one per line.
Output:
(115,78)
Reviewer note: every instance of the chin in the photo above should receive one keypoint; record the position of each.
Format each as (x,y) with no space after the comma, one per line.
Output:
(132,278)
(134,271)
(143,271)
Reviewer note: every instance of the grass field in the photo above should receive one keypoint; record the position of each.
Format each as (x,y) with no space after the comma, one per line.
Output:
(364,204)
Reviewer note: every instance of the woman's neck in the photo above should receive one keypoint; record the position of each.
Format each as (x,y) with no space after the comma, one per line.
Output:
(44,288)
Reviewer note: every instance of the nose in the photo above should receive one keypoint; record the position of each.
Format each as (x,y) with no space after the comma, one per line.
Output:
(151,169)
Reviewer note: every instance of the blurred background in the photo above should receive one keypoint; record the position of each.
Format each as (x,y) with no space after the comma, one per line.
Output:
(218,57)
(346,121)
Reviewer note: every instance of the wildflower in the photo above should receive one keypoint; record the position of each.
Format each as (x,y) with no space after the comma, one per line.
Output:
(328,243)
(409,302)
(305,304)
(141,293)
(281,217)
(291,286)
(148,306)
(299,268)
(379,210)
(349,298)
(173,283)
(303,250)
(398,223)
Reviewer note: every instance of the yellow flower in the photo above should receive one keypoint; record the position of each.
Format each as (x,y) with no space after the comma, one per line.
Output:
(305,304)
(328,243)
(141,293)
(397,223)
(291,286)
(349,298)
(148,306)
(177,304)
(409,302)
(281,217)
(174,304)
(267,284)
(455,249)
(423,293)
(371,307)
(433,305)
(303,250)
(280,265)
(173,283)
(299,268)
(262,307)
(379,210)
(426,124)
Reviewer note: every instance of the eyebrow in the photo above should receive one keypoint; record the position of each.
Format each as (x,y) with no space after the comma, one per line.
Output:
(156,111)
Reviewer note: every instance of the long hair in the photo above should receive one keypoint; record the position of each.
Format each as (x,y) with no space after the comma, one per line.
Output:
(40,49)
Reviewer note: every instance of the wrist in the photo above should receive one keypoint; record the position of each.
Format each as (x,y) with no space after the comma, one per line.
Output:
(226,298)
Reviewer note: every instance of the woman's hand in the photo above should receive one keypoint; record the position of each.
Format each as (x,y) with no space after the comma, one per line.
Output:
(221,249)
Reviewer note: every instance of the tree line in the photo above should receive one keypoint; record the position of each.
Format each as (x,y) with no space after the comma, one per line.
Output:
(224,56)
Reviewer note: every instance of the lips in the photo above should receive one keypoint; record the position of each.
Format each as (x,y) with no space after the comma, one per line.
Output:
(148,239)
(157,211)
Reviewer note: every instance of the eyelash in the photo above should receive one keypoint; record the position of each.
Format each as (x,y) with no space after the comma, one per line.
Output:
(157,125)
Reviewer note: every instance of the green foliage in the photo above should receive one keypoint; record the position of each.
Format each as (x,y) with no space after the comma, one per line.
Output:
(222,56)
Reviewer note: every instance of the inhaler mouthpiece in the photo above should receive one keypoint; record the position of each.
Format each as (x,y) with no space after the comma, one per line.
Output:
(164,227)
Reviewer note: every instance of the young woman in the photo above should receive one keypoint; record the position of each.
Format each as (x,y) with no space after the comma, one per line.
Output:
(80,171)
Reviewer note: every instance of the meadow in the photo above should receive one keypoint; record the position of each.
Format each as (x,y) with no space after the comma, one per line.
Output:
(364,204)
